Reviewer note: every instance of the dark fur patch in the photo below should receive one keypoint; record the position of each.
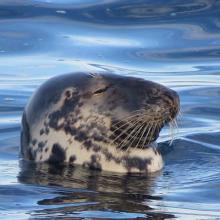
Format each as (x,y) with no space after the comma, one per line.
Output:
(98,137)
(58,155)
(54,118)
(80,136)
(34,142)
(96,148)
(41,131)
(109,156)
(69,106)
(68,94)
(72,159)
(41,145)
(136,162)
(47,130)
(70,130)
(88,144)
(80,104)
(93,164)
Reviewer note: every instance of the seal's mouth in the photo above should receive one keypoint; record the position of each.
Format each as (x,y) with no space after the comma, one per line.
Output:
(142,127)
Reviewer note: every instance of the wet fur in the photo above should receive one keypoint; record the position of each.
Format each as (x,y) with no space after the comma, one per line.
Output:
(84,119)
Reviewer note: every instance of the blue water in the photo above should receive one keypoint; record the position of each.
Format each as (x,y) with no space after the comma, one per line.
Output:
(176,43)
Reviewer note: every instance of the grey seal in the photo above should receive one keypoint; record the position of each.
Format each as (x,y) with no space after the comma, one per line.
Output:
(102,121)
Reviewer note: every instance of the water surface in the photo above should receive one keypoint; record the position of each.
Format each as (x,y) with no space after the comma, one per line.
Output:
(176,43)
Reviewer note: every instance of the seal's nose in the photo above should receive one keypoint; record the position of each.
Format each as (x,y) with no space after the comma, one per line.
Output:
(171,98)
(175,103)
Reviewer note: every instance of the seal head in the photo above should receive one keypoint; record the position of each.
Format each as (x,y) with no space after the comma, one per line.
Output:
(103,121)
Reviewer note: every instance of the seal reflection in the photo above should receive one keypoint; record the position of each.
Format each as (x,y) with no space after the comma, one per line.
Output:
(89,190)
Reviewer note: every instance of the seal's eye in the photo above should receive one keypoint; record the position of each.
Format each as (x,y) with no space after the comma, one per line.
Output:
(101,90)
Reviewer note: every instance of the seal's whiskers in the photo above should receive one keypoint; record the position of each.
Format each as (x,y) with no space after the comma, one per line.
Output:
(144,130)
(173,126)
(124,132)
(125,141)
(171,133)
(135,127)
(145,139)
(152,133)
(123,124)
(138,129)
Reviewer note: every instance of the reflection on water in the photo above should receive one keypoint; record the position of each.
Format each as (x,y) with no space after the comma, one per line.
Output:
(90,190)
(176,44)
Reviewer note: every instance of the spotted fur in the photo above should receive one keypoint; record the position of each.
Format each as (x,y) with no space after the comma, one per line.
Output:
(82,119)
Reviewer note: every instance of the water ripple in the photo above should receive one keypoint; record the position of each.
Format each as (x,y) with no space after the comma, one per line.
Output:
(176,44)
